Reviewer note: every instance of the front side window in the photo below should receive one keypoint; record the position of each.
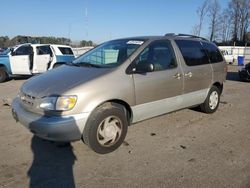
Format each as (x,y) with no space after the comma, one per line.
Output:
(24,50)
(110,54)
(160,54)
(192,52)
(213,52)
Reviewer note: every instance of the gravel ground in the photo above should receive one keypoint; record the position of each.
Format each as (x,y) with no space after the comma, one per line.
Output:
(182,149)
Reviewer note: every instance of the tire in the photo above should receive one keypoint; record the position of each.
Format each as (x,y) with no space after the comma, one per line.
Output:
(212,101)
(241,78)
(3,75)
(106,128)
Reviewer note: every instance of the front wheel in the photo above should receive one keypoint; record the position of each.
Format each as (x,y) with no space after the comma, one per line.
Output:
(212,101)
(3,75)
(106,128)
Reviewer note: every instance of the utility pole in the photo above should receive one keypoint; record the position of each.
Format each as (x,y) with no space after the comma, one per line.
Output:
(69,31)
(86,21)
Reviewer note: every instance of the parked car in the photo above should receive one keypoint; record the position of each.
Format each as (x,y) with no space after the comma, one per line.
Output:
(229,58)
(29,59)
(121,82)
(244,73)
(2,50)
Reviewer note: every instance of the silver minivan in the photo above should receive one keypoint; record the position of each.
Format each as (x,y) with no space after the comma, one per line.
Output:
(120,82)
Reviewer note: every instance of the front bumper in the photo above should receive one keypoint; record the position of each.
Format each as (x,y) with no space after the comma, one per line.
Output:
(55,128)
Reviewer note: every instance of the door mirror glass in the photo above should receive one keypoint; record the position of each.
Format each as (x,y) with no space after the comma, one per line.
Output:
(143,67)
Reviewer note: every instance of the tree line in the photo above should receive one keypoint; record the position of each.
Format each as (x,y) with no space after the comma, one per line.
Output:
(6,42)
(229,26)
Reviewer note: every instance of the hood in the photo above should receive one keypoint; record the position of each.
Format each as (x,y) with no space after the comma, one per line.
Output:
(4,56)
(60,80)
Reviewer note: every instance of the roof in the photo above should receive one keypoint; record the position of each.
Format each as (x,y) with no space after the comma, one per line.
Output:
(167,36)
(56,45)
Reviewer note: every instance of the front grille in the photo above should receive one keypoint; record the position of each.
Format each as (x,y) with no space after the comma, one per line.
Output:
(27,99)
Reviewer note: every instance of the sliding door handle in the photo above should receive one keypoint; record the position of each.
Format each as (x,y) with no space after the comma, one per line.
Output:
(189,74)
(177,76)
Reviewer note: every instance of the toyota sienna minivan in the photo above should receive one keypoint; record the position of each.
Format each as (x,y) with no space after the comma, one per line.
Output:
(97,96)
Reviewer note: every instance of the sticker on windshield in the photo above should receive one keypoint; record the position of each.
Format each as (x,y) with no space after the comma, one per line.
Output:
(138,42)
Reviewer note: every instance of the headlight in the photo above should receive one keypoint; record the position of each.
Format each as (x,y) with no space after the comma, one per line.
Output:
(60,103)
(66,102)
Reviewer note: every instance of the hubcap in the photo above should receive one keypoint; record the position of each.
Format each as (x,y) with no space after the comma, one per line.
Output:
(109,131)
(213,100)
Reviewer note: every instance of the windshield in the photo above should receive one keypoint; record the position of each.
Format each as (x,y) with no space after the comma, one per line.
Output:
(5,52)
(109,54)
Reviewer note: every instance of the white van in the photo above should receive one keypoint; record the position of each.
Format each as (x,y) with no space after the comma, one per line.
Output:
(29,59)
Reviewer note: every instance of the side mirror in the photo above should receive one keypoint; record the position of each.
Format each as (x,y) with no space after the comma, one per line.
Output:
(12,52)
(143,67)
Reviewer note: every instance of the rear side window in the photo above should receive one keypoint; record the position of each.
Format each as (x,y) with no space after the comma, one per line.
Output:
(213,52)
(192,52)
(65,51)
(43,50)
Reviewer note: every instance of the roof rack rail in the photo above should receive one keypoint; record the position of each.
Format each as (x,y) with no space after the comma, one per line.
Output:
(191,36)
(170,34)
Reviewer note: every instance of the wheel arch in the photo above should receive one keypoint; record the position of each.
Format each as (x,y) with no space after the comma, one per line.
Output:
(129,112)
(3,66)
(6,73)
(6,68)
(219,86)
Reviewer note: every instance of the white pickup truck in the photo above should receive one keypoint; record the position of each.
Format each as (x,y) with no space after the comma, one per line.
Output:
(29,59)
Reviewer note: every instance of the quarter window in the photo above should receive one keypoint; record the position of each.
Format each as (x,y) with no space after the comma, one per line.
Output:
(66,51)
(213,52)
(160,54)
(192,52)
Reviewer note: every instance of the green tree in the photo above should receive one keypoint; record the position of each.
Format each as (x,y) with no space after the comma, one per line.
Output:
(4,41)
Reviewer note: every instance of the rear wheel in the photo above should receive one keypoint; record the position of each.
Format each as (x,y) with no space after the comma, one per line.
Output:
(106,128)
(3,75)
(212,101)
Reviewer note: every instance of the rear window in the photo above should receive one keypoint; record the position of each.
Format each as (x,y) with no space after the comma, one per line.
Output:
(65,51)
(192,52)
(213,52)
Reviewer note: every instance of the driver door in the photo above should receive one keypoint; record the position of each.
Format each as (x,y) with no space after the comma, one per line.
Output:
(21,60)
(159,91)
(42,59)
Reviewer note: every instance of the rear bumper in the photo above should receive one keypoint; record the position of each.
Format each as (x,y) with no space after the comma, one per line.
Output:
(55,128)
